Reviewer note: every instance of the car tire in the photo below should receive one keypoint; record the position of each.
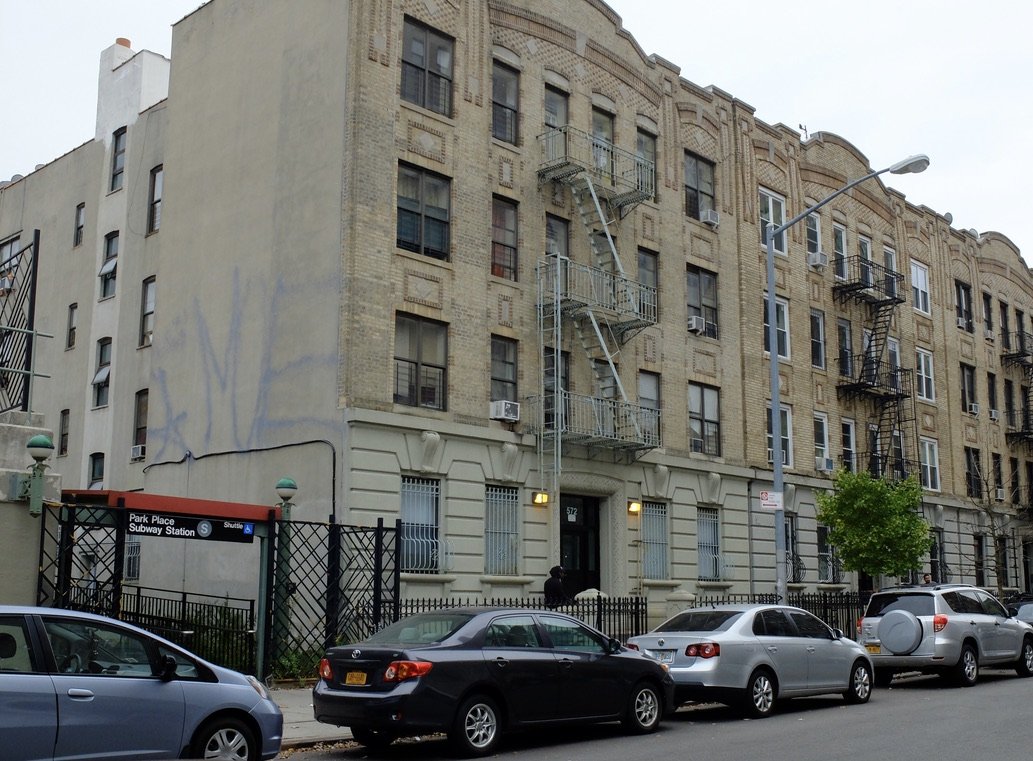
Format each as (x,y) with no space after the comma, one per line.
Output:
(645,707)
(966,670)
(225,738)
(900,632)
(374,739)
(759,700)
(477,726)
(1024,666)
(859,690)
(883,677)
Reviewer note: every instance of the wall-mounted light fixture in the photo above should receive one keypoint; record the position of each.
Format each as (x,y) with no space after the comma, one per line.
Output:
(540,498)
(634,506)
(40,449)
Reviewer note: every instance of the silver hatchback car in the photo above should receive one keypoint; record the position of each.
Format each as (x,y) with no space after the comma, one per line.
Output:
(947,629)
(78,686)
(752,655)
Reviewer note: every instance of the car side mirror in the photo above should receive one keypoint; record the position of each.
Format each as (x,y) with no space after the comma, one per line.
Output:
(167,668)
(613,646)
(837,633)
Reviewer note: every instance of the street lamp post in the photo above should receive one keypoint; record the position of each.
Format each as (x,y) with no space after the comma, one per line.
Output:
(285,489)
(40,448)
(910,165)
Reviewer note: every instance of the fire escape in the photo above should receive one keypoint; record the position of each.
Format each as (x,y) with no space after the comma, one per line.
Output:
(872,375)
(1017,351)
(603,307)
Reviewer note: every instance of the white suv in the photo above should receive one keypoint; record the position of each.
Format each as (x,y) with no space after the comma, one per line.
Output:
(948,629)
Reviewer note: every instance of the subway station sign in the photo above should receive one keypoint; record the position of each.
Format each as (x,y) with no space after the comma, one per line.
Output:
(191,527)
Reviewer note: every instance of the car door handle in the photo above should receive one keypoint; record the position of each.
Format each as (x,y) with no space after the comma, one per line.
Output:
(501,662)
(810,649)
(772,649)
(566,663)
(80,694)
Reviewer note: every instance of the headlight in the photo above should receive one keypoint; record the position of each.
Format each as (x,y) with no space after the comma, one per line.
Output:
(258,686)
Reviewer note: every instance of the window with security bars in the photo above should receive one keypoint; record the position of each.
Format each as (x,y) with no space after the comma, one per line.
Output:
(828,563)
(427,67)
(708,544)
(501,530)
(421,354)
(655,540)
(424,212)
(505,98)
(503,238)
(421,547)
(132,559)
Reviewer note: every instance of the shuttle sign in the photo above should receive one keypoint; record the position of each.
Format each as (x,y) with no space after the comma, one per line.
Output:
(191,527)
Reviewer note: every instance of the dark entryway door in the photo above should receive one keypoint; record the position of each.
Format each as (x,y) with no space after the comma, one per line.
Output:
(579,542)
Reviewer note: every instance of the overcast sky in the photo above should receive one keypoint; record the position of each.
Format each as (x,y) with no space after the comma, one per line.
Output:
(943,77)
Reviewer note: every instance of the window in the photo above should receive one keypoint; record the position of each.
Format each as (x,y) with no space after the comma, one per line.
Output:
(140,418)
(920,286)
(501,530)
(505,99)
(848,436)
(817,338)
(699,185)
(828,564)
(645,163)
(62,435)
(80,225)
(118,158)
(786,423)
(421,356)
(702,297)
(97,470)
(147,311)
(552,374)
(708,543)
(991,391)
(602,143)
(1015,491)
(821,437)
(1005,334)
(555,108)
(649,400)
(102,378)
(503,369)
(864,261)
(973,473)
(1009,404)
(503,238)
(937,555)
(929,462)
(427,68)
(988,315)
(424,211)
(1000,562)
(781,327)
(772,211)
(997,466)
(154,202)
(968,386)
(979,558)
(889,261)
(655,540)
(704,419)
(421,550)
(963,305)
(924,375)
(846,347)
(839,251)
(73,320)
(132,559)
(813,233)
(107,270)
(557,235)
(648,277)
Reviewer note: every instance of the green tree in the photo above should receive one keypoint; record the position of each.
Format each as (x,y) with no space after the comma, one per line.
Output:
(874,524)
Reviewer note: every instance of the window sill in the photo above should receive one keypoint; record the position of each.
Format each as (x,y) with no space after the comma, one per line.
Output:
(661,583)
(713,584)
(507,580)
(416,108)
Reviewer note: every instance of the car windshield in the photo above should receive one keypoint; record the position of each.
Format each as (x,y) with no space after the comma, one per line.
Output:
(700,621)
(917,604)
(421,628)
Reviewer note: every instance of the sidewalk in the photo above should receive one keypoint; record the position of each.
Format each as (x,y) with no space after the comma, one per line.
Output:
(299,724)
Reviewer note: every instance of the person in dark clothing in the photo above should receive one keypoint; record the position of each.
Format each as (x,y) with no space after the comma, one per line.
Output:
(555,594)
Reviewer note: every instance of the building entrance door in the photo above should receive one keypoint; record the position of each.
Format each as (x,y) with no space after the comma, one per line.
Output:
(579,542)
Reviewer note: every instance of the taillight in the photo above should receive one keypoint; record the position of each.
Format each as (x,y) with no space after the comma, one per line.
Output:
(703,650)
(399,671)
(859,626)
(326,671)
(939,622)
(631,646)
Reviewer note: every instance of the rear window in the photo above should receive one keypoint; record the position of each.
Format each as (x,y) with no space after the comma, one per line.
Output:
(420,629)
(700,621)
(918,604)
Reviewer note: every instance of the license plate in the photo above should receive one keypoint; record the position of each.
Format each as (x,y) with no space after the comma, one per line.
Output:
(664,656)
(355,677)
(876,649)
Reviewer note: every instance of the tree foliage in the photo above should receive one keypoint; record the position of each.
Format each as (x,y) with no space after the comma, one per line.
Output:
(875,525)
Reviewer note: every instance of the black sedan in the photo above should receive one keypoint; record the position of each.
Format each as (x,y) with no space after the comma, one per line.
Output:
(474,673)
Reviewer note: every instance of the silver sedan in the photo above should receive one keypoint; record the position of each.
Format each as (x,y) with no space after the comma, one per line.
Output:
(753,655)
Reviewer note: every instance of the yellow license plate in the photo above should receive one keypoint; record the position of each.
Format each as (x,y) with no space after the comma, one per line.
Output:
(876,649)
(355,677)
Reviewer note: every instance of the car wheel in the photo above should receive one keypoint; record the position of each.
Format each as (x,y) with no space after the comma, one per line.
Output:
(226,739)
(760,694)
(476,728)
(966,670)
(883,677)
(860,688)
(375,739)
(1024,666)
(644,709)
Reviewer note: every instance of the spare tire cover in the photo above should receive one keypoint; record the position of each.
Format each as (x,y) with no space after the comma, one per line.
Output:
(900,632)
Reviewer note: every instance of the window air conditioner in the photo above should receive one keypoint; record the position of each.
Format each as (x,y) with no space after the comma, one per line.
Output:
(785,456)
(963,323)
(988,334)
(504,410)
(818,259)
(696,445)
(697,324)
(994,414)
(710,217)
(973,409)
(137,451)
(824,464)
(1000,495)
